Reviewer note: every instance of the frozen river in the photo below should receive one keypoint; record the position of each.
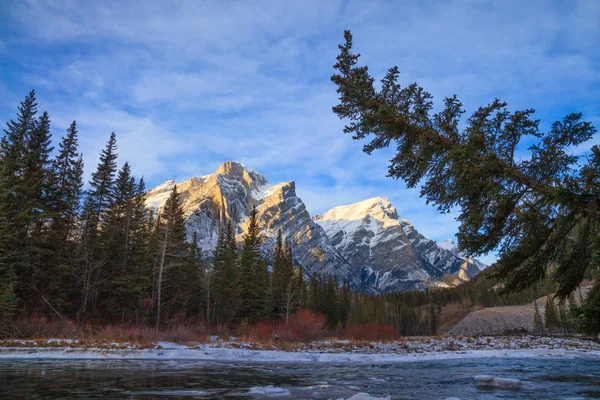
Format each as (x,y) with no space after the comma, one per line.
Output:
(547,378)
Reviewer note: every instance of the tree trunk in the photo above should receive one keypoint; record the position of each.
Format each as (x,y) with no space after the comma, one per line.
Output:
(161,268)
(208,277)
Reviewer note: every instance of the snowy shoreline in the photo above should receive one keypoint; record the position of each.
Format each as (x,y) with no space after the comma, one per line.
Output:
(323,352)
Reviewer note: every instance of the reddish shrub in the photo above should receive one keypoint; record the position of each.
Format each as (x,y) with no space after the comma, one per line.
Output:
(373,332)
(264,331)
(36,327)
(305,326)
(144,334)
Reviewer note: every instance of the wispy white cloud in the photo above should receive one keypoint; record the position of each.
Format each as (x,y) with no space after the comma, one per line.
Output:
(188,84)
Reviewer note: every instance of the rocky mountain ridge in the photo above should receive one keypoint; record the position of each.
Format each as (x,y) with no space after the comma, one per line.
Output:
(365,244)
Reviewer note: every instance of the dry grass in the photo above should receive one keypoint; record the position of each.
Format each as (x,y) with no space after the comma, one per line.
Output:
(39,329)
(372,332)
(304,326)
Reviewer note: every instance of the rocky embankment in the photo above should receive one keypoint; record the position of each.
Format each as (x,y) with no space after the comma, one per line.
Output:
(434,345)
(496,321)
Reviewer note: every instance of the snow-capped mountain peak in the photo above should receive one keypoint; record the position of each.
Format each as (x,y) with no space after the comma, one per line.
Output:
(365,244)
(448,244)
(379,208)
(387,249)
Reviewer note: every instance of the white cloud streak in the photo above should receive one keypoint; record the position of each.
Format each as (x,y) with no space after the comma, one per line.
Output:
(189,84)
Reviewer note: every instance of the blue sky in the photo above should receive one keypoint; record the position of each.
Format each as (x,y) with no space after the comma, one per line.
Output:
(188,85)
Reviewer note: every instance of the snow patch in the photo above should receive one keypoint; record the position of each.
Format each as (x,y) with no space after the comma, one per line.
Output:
(269,391)
(447,244)
(366,396)
(489,381)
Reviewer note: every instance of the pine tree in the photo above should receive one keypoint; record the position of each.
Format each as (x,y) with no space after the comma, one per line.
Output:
(64,200)
(196,274)
(291,284)
(474,166)
(173,251)
(283,273)
(591,312)
(225,275)
(8,302)
(279,284)
(563,317)
(538,324)
(14,211)
(314,295)
(99,198)
(329,305)
(300,284)
(116,236)
(250,285)
(551,317)
(343,304)
(37,174)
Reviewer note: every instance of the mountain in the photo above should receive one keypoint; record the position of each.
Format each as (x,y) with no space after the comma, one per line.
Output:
(231,192)
(389,253)
(451,246)
(366,244)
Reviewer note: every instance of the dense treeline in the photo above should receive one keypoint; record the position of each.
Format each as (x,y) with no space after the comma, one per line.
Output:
(100,256)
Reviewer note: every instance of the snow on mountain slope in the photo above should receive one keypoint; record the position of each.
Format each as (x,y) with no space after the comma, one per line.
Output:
(451,246)
(388,251)
(365,244)
(229,195)
(210,200)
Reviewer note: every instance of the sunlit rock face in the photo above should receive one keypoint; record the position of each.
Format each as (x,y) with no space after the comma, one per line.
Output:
(365,244)
(388,251)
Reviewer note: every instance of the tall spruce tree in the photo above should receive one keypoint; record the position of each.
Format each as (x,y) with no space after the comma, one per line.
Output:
(225,266)
(551,320)
(116,235)
(300,283)
(539,211)
(15,212)
(314,295)
(172,252)
(38,185)
(251,285)
(279,283)
(64,198)
(287,289)
(99,197)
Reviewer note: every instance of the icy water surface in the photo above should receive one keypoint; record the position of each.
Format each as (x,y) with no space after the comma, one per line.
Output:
(132,379)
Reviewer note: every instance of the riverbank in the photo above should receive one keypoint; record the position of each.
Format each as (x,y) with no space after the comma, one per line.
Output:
(334,351)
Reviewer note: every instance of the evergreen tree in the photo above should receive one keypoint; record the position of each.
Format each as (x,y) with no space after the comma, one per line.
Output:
(225,276)
(116,237)
(300,284)
(563,317)
(279,284)
(538,324)
(284,290)
(550,316)
(539,211)
(15,212)
(329,305)
(35,198)
(64,200)
(251,285)
(314,295)
(591,311)
(99,197)
(343,304)
(187,283)
(172,253)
